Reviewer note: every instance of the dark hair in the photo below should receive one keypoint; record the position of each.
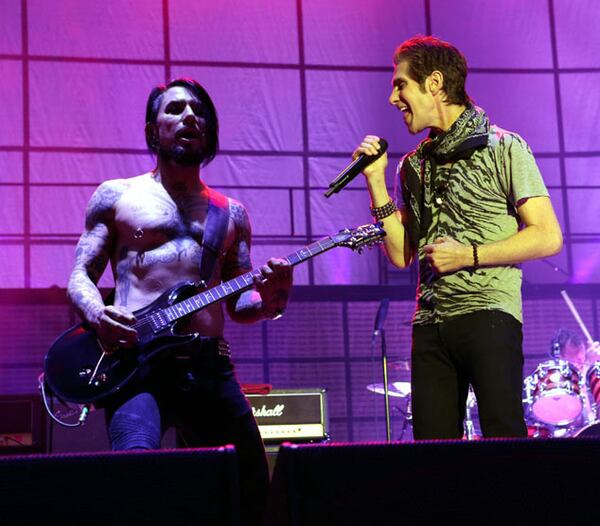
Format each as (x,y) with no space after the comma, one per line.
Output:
(210,114)
(564,337)
(427,54)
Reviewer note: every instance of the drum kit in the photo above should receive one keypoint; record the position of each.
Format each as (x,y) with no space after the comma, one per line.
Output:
(561,397)
(561,400)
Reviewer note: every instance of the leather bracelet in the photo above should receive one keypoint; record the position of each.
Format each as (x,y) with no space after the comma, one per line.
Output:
(381,212)
(475,256)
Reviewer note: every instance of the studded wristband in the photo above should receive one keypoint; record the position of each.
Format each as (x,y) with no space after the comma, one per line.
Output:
(384,211)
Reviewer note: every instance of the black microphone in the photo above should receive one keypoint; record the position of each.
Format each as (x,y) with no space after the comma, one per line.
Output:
(380,318)
(354,168)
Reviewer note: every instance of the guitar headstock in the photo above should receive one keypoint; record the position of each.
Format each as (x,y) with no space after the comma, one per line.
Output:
(364,235)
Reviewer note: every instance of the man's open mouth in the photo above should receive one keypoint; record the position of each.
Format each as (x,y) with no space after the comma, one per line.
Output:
(188,134)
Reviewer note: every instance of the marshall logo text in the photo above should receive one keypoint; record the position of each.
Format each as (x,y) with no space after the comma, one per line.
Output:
(263,412)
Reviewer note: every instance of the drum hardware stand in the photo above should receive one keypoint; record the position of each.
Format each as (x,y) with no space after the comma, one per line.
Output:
(379,320)
(386,392)
(469,426)
(407,416)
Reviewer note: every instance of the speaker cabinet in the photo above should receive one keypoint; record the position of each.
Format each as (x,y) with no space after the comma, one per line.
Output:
(22,425)
(192,486)
(486,482)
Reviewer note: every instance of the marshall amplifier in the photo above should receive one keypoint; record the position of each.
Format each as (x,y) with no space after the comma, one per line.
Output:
(298,415)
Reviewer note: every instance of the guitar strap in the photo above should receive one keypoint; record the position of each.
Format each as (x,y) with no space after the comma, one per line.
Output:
(214,233)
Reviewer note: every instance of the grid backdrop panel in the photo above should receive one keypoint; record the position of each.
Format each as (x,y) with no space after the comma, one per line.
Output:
(293,82)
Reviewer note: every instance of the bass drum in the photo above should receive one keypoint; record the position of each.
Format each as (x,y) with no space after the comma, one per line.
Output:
(553,393)
(593,430)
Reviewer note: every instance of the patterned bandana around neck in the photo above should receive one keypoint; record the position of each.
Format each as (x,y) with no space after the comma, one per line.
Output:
(468,133)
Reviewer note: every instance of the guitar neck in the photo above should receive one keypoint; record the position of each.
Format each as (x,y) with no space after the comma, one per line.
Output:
(239,284)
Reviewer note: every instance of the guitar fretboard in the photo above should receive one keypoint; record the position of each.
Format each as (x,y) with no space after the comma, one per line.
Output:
(161,318)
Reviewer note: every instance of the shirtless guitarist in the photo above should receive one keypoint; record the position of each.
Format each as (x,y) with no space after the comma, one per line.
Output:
(155,230)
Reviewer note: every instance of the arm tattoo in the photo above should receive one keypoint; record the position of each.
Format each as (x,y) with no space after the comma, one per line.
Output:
(93,251)
(238,260)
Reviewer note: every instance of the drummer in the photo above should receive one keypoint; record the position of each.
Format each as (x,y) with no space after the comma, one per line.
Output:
(582,354)
(574,349)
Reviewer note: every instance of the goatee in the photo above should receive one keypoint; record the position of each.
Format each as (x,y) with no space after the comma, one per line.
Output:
(182,156)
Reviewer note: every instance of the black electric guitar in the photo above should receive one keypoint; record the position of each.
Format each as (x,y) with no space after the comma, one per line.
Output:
(78,370)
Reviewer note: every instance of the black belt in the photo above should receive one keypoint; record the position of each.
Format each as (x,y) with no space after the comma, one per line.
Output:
(203,348)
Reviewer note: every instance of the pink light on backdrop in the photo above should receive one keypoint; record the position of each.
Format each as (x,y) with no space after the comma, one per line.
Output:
(587,268)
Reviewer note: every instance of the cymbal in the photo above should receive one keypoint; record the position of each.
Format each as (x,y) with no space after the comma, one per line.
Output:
(399,365)
(398,389)
(402,390)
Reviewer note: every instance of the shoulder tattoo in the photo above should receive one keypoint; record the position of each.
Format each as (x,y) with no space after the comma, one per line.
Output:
(101,205)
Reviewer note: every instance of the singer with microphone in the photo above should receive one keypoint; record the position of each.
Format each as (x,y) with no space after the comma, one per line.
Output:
(470,205)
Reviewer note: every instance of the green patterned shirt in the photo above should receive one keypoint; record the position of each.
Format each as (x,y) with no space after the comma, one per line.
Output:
(475,201)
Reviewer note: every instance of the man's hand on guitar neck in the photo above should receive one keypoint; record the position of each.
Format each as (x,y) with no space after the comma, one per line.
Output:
(113,327)
(274,286)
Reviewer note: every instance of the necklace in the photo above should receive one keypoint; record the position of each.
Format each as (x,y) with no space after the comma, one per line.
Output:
(440,188)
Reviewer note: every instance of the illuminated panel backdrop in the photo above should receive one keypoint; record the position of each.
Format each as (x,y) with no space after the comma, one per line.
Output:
(296,83)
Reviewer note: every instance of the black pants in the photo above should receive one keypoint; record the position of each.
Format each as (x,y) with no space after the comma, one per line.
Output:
(483,349)
(195,390)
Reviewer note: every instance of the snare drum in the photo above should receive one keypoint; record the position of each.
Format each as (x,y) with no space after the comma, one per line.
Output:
(553,393)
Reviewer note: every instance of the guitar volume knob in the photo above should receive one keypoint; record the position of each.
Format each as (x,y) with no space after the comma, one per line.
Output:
(100,379)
